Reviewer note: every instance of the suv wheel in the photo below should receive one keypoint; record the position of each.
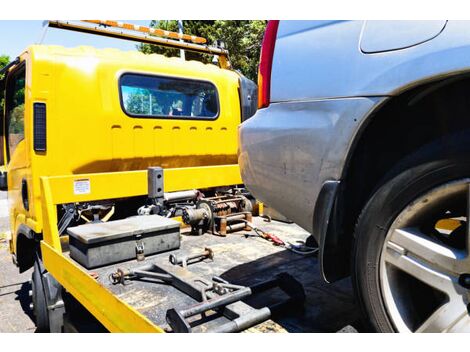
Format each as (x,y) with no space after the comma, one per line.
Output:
(411,254)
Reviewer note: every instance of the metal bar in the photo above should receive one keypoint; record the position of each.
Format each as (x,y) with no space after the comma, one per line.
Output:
(187,282)
(180,31)
(182,195)
(245,321)
(154,31)
(234,217)
(235,227)
(139,38)
(185,259)
(153,275)
(216,302)
(112,312)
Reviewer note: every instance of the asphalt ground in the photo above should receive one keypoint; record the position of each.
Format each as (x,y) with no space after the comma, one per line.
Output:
(15,315)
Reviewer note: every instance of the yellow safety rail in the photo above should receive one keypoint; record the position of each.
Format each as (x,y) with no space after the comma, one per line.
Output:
(115,314)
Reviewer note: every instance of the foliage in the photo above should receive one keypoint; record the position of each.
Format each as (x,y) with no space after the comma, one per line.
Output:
(241,38)
(16,124)
(143,102)
(4,60)
(172,101)
(16,116)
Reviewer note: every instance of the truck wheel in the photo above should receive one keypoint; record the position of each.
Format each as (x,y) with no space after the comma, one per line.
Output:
(411,268)
(39,298)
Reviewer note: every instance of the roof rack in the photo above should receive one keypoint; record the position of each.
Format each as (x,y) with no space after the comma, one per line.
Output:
(149,30)
(145,35)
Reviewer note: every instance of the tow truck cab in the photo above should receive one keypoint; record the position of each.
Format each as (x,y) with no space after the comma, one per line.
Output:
(85,111)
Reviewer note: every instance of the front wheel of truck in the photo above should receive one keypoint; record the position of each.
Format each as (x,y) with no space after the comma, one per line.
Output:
(411,267)
(40,310)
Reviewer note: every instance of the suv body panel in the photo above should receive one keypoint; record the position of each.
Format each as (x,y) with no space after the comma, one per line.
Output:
(290,149)
(326,62)
(323,89)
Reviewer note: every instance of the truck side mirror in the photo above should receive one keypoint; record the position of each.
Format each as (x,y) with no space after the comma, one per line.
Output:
(3,181)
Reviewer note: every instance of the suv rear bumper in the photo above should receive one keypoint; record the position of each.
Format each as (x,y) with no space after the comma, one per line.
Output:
(288,150)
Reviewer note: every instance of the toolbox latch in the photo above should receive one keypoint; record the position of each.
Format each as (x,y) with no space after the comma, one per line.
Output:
(139,248)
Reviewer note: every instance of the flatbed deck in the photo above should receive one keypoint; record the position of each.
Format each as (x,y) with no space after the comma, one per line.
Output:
(244,260)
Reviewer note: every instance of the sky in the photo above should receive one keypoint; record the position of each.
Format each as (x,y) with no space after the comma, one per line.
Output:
(15,36)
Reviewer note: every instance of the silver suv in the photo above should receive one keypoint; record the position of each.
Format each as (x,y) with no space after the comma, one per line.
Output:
(362,137)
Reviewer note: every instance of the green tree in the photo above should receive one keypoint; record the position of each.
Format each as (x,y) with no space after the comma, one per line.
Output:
(4,60)
(241,38)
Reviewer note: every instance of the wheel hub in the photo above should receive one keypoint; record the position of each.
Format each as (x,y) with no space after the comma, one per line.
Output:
(424,271)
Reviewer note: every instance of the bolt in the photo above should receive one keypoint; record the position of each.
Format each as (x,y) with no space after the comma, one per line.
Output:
(30,293)
(464,280)
(31,306)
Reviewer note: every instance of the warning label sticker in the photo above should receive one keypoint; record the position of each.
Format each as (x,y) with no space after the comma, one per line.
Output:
(81,186)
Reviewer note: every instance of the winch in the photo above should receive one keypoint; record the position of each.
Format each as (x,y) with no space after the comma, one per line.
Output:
(219,215)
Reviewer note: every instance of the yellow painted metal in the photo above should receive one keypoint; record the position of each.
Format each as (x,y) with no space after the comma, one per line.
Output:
(30,223)
(260,208)
(89,133)
(114,314)
(50,231)
(134,183)
(89,137)
(448,224)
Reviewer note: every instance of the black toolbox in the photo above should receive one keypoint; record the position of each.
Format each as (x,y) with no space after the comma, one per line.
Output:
(99,244)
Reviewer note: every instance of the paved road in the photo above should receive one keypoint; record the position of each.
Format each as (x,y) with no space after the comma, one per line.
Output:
(15,315)
(3,212)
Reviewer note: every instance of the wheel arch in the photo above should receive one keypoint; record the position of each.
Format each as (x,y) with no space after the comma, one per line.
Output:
(428,109)
(26,246)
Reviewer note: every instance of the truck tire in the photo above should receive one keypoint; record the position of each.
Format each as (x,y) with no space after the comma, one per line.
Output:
(40,311)
(411,266)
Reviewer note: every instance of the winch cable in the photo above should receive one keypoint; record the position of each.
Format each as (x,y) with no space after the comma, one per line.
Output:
(300,249)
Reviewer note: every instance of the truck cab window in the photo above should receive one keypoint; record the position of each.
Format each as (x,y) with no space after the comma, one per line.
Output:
(168,97)
(15,110)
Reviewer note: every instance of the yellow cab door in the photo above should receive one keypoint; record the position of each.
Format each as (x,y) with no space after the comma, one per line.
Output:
(16,152)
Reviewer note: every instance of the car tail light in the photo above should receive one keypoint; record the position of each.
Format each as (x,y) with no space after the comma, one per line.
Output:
(265,64)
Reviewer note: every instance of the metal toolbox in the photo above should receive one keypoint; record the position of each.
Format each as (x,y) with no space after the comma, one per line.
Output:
(104,243)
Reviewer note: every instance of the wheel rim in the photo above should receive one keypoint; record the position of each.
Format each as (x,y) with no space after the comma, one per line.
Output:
(425,260)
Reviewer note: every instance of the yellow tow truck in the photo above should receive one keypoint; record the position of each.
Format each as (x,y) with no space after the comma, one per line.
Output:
(123,185)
